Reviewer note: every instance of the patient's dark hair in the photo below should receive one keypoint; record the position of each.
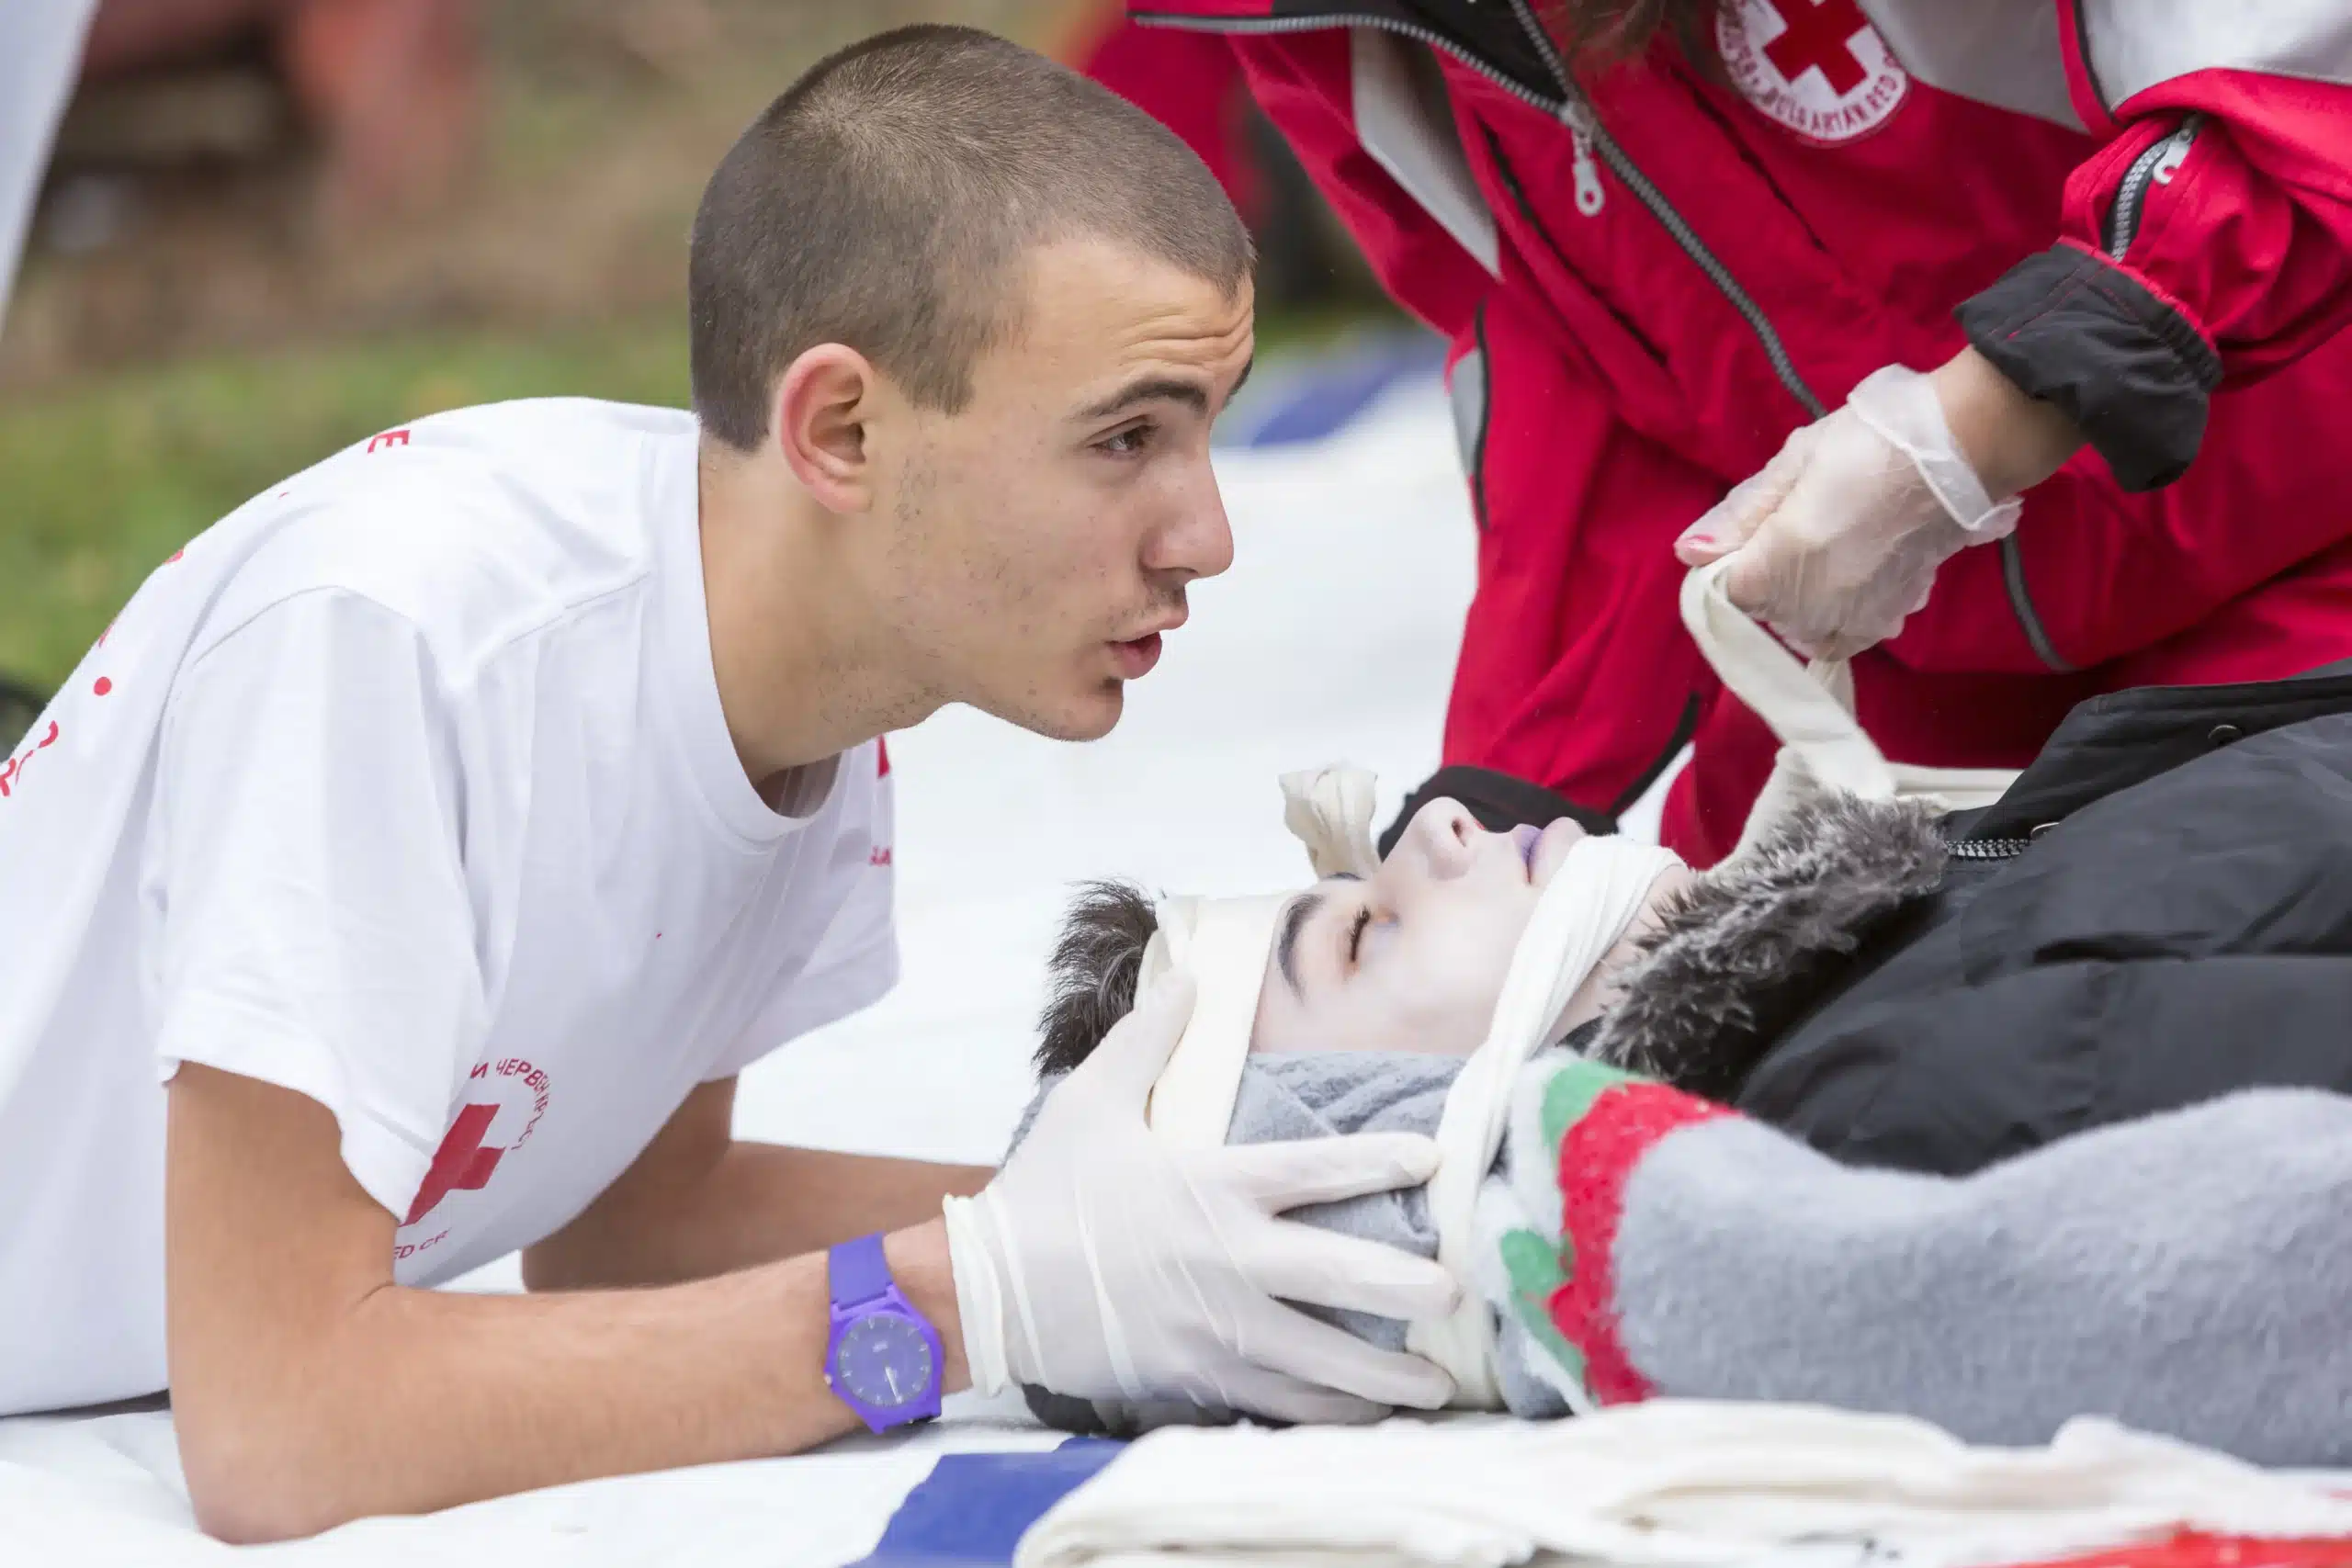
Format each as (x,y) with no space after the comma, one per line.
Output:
(1091,979)
(886,198)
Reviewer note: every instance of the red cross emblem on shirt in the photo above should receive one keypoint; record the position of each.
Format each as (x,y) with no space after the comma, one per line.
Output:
(461,1164)
(469,1157)
(1819,34)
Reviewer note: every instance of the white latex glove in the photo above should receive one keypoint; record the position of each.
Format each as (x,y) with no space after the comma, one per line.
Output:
(1105,1264)
(1837,541)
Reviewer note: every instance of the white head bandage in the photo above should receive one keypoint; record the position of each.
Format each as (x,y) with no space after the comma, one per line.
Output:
(1224,943)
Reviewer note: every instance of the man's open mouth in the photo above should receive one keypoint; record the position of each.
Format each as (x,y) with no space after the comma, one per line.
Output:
(1137,655)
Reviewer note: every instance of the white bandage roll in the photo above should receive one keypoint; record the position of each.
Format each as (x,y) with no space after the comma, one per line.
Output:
(1810,710)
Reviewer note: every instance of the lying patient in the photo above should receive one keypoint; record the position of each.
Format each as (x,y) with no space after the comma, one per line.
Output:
(2033,1037)
(1405,966)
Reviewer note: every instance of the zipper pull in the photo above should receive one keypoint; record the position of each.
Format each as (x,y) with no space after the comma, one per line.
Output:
(1588,176)
(2175,151)
(1584,169)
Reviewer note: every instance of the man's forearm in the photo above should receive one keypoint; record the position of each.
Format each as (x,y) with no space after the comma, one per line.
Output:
(753,1204)
(423,1400)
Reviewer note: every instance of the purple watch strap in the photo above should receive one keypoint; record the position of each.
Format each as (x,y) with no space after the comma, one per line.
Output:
(858,1273)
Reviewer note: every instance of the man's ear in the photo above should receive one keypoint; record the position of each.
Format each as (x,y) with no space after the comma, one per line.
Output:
(823,403)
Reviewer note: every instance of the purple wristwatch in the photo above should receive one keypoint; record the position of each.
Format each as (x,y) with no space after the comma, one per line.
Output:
(882,1358)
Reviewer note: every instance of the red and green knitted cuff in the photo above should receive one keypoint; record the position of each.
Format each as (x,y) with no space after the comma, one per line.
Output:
(1599,1123)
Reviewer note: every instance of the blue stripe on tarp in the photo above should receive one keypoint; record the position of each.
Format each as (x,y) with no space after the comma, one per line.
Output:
(972,1510)
(1309,401)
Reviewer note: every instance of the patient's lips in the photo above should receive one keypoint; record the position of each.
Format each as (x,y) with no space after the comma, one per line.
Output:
(1526,837)
(1550,850)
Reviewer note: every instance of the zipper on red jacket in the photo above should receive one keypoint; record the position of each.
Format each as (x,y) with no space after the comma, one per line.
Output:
(1577,114)
(1324,22)
(2156,166)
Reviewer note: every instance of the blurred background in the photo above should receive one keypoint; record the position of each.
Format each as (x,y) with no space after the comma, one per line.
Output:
(270,227)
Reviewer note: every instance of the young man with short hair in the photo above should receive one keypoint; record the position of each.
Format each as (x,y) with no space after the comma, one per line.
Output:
(406,875)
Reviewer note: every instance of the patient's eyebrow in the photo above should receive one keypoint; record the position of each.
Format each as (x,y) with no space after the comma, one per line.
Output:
(1294,919)
(1302,910)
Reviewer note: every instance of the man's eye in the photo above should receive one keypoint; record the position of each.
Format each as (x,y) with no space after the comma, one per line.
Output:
(1129,441)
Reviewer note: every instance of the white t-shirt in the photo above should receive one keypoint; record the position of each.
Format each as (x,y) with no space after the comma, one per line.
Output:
(405,786)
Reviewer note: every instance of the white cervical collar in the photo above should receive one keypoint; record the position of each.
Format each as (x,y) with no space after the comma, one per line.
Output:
(1224,943)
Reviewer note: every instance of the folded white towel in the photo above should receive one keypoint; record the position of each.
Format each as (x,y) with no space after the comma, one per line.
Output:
(1659,1485)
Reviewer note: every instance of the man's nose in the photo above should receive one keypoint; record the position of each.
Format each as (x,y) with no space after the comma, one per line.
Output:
(1198,541)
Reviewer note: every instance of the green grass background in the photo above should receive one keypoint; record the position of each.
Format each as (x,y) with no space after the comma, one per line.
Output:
(100,480)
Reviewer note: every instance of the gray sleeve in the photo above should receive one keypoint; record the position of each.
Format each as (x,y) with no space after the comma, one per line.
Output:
(2189,1274)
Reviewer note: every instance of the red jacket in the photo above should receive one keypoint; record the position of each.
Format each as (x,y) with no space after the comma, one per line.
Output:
(2139,210)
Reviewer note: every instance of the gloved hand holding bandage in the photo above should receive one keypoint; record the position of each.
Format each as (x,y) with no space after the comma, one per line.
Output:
(1104,1262)
(1838,540)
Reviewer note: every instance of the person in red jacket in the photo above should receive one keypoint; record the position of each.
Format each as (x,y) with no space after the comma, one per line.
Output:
(2096,251)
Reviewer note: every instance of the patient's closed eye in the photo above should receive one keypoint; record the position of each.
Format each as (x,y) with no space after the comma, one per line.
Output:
(1365,930)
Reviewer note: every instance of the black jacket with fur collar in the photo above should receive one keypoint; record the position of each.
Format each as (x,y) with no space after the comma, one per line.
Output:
(2159,912)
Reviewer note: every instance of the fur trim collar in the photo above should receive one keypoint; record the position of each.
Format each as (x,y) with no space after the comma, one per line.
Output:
(1740,951)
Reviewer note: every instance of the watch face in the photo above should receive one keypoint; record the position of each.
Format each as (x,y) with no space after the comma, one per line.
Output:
(883,1361)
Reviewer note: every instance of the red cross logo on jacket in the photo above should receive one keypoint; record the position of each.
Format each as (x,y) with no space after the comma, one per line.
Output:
(1819,36)
(1816,66)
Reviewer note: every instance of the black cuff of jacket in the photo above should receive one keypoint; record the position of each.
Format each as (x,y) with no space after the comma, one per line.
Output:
(2129,370)
(1498,801)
